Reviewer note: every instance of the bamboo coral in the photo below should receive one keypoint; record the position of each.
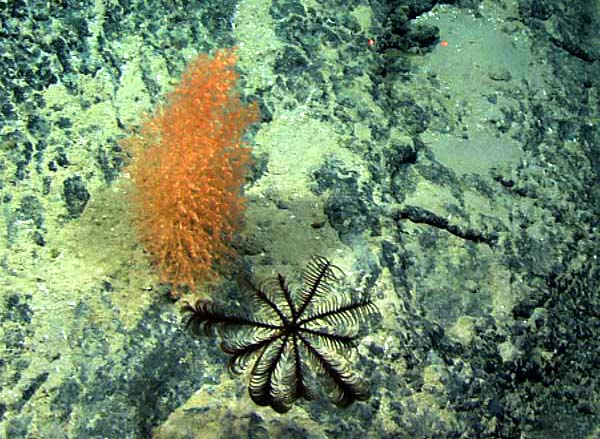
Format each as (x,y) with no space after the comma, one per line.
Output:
(188,168)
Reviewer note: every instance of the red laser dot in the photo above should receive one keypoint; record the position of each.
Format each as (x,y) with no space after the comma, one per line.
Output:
(444,43)
(370,41)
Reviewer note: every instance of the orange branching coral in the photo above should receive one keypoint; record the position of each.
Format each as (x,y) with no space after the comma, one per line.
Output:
(188,168)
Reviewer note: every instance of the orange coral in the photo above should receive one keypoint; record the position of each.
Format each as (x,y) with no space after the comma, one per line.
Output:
(189,165)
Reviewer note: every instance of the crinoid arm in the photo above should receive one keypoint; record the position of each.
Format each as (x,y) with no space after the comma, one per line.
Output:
(204,314)
(341,312)
(279,376)
(243,336)
(347,386)
(319,276)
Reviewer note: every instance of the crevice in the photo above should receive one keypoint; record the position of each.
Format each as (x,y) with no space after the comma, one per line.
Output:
(419,215)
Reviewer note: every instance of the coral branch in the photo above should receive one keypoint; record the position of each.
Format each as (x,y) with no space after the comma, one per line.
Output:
(189,165)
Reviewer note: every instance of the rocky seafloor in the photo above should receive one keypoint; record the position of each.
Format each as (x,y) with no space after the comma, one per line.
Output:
(446,155)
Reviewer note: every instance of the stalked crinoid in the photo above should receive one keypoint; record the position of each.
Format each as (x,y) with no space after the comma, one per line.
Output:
(291,339)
